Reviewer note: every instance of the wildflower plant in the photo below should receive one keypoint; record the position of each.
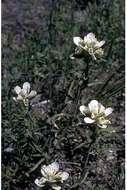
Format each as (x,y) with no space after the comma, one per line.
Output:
(51,175)
(60,134)
(96,113)
(90,44)
(24,94)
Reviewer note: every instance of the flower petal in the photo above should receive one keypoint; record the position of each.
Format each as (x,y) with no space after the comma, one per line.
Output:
(39,182)
(44,171)
(19,97)
(90,38)
(23,93)
(88,120)
(32,94)
(55,167)
(77,40)
(17,89)
(26,87)
(84,110)
(100,44)
(56,187)
(101,108)
(94,106)
(108,111)
(64,176)
(103,126)
(51,169)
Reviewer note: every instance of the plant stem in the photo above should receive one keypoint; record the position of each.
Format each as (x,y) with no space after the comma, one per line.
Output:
(35,166)
(94,137)
(84,84)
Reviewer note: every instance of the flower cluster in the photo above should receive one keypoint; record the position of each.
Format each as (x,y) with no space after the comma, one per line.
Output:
(24,94)
(96,113)
(90,44)
(51,175)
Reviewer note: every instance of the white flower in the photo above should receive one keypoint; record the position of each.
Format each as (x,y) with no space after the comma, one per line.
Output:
(96,113)
(51,175)
(90,44)
(24,94)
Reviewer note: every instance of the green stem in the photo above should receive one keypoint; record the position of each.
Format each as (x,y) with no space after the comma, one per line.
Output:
(95,137)
(35,166)
(84,84)
(87,73)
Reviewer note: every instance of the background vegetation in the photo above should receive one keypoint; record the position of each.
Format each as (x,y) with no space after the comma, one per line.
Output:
(37,44)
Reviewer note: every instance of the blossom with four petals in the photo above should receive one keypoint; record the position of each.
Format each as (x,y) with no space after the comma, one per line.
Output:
(51,175)
(96,113)
(24,94)
(90,44)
